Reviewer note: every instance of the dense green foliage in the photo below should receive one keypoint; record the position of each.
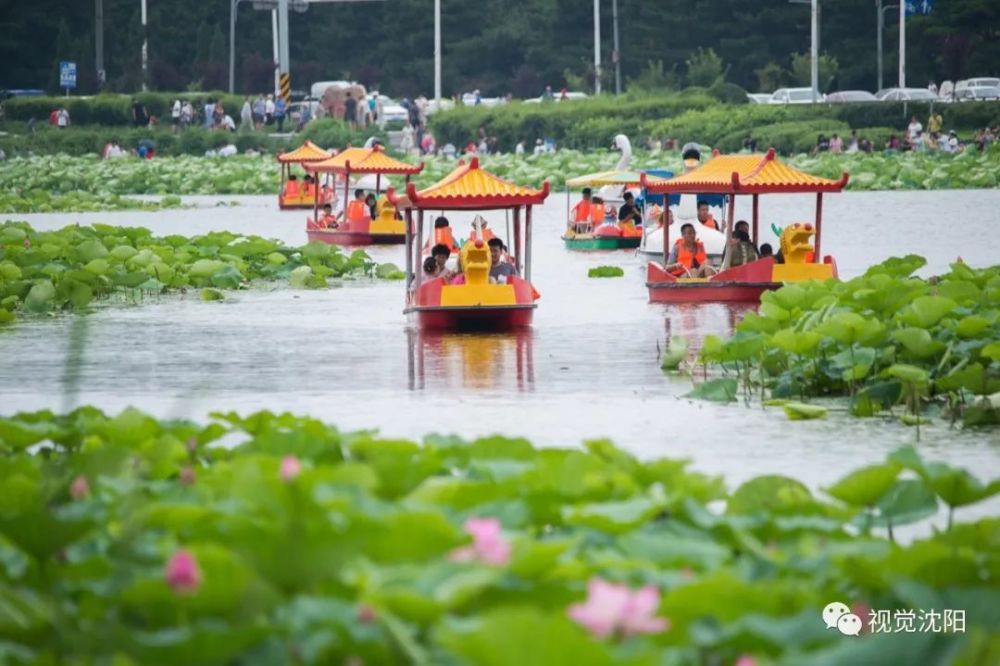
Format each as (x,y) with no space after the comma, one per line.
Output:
(81,140)
(882,339)
(692,115)
(45,271)
(137,541)
(514,46)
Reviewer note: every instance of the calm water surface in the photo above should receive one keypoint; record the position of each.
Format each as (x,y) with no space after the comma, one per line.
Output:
(587,369)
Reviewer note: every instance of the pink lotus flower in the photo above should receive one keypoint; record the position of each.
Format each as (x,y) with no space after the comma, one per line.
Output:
(182,572)
(611,608)
(188,476)
(290,468)
(487,543)
(79,489)
(366,614)
(745,660)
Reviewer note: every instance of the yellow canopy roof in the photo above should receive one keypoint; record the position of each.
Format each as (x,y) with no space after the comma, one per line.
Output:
(469,186)
(603,178)
(307,152)
(364,160)
(745,174)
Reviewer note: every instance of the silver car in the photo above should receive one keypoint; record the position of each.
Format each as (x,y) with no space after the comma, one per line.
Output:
(794,96)
(842,96)
(906,95)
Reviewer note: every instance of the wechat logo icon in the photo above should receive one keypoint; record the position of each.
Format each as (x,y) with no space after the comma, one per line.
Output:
(838,616)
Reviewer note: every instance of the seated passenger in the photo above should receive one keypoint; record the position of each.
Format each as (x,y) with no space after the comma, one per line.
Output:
(743,250)
(766,250)
(743,226)
(356,209)
(442,234)
(441,253)
(291,190)
(328,219)
(580,215)
(597,212)
(309,189)
(499,269)
(431,268)
(688,257)
(488,234)
(705,217)
(371,204)
(629,212)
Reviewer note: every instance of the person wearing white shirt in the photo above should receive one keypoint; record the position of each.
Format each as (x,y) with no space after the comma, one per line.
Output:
(914,129)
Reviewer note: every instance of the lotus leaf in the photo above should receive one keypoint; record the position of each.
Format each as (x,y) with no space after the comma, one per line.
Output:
(866,486)
(798,411)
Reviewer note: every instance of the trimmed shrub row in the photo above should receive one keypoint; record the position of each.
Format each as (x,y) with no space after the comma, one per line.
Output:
(110,109)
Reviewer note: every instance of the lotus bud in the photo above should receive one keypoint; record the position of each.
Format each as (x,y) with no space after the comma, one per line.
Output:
(79,489)
(182,573)
(290,468)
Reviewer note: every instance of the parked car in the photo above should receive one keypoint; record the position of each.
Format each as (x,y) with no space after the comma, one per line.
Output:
(906,95)
(842,96)
(977,93)
(759,98)
(794,96)
(392,111)
(557,97)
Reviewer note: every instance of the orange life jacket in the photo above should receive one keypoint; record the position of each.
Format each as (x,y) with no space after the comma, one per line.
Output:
(356,210)
(582,211)
(328,220)
(292,189)
(597,214)
(442,236)
(711,223)
(487,235)
(686,258)
(310,190)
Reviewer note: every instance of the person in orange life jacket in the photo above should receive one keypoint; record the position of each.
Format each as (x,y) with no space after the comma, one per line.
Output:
(442,234)
(688,256)
(629,212)
(356,208)
(309,189)
(705,217)
(488,234)
(597,212)
(292,187)
(581,214)
(328,219)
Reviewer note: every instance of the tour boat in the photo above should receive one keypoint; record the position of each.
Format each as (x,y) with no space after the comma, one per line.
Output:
(387,227)
(608,234)
(471,301)
(739,175)
(299,197)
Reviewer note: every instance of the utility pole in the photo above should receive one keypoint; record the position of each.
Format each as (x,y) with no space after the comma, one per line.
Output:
(902,44)
(814,52)
(616,56)
(277,55)
(437,55)
(597,47)
(232,45)
(99,41)
(145,51)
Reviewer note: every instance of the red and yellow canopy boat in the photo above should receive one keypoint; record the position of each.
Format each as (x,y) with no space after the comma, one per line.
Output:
(298,196)
(387,227)
(474,300)
(749,175)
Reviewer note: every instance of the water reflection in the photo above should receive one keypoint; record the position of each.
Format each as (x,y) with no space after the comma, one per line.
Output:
(693,321)
(470,361)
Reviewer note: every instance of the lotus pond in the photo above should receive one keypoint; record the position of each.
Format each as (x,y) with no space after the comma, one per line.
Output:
(64,183)
(198,531)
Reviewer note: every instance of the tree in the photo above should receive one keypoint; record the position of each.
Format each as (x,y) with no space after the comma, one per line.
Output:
(655,77)
(770,77)
(704,68)
(802,70)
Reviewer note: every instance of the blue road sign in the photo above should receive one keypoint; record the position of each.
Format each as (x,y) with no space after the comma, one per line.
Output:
(67,74)
(919,7)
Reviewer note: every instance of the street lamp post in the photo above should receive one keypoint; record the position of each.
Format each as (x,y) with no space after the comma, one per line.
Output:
(597,47)
(437,55)
(617,56)
(880,28)
(145,52)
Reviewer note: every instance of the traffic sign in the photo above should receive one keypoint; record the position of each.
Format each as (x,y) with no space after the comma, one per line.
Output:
(67,74)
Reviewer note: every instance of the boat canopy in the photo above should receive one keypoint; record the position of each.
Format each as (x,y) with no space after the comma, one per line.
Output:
(307,152)
(469,187)
(744,174)
(364,160)
(602,178)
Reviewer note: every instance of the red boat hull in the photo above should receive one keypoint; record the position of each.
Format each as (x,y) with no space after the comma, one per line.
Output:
(477,318)
(335,237)
(743,284)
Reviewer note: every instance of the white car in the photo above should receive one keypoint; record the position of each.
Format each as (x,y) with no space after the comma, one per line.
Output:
(794,96)
(851,96)
(392,111)
(759,98)
(557,97)
(975,89)
(977,93)
(906,95)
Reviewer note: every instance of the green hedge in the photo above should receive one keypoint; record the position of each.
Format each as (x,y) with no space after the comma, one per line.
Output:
(695,114)
(191,141)
(110,109)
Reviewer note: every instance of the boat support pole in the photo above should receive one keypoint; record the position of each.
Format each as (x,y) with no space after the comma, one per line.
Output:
(347,198)
(819,220)
(409,251)
(518,255)
(419,248)
(726,249)
(756,219)
(378,184)
(666,229)
(527,241)
(316,200)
